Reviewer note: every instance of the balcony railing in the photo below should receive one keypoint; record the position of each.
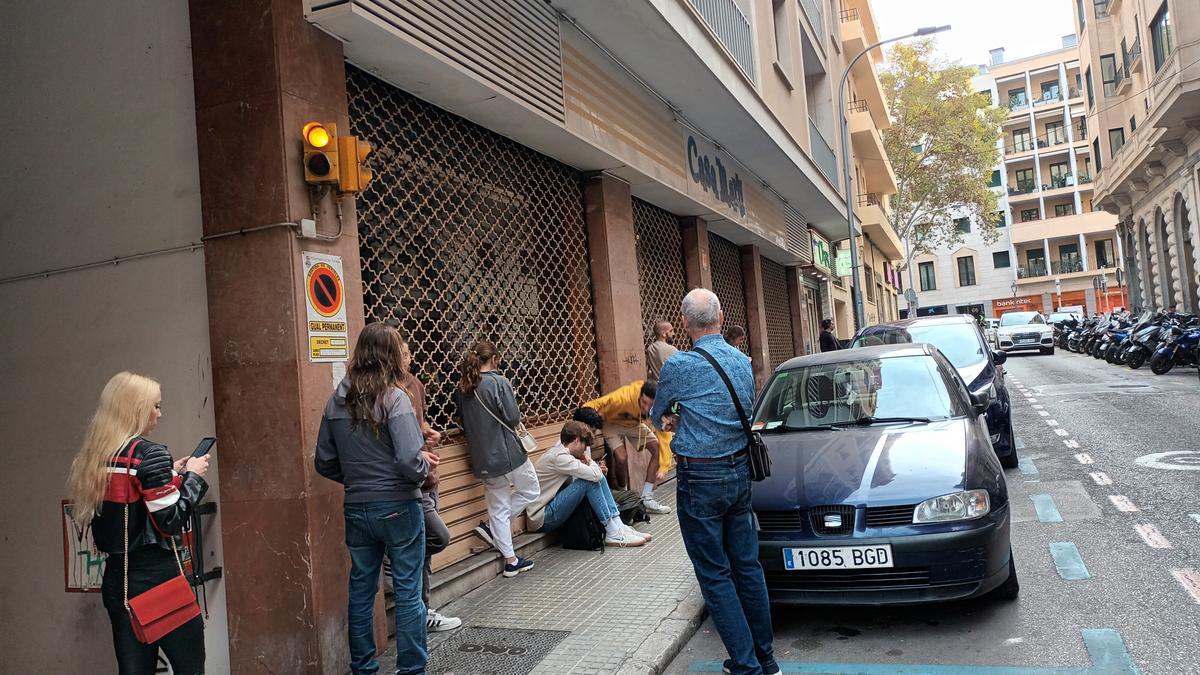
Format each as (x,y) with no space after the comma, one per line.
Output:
(1101,8)
(1056,182)
(1081,132)
(858,105)
(1018,103)
(1048,98)
(822,154)
(1084,179)
(1067,265)
(732,28)
(1048,140)
(1022,188)
(1036,268)
(849,15)
(868,199)
(1120,77)
(1131,57)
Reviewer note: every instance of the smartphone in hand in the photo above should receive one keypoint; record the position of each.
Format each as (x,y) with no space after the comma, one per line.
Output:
(205,446)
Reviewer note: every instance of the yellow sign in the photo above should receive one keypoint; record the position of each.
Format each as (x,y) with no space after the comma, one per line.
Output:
(325,347)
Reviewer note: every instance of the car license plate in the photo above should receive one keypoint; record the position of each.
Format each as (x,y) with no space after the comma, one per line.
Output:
(1026,341)
(837,557)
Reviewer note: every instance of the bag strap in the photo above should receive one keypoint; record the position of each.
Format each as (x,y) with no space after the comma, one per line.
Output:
(737,403)
(495,416)
(125,558)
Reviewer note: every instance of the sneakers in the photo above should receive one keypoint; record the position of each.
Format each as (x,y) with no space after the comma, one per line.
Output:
(516,568)
(625,539)
(653,506)
(727,665)
(485,533)
(639,533)
(436,623)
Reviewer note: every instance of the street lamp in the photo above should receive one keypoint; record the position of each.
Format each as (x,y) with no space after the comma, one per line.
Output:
(1013,288)
(855,291)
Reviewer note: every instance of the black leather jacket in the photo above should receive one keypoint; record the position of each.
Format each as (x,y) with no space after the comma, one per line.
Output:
(160,502)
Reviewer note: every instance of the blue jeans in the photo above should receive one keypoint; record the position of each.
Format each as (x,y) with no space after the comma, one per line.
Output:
(717,524)
(399,528)
(564,503)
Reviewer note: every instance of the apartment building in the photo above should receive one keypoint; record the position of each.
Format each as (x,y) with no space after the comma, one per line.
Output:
(1141,62)
(1054,249)
(550,176)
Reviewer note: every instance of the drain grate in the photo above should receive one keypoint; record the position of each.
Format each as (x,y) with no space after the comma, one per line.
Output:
(496,651)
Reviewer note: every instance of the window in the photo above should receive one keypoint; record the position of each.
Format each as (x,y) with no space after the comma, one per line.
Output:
(1029,215)
(1104,254)
(1082,129)
(1161,36)
(1050,91)
(783,41)
(1000,221)
(1081,14)
(1067,209)
(1091,96)
(1133,124)
(1016,98)
(1022,142)
(1116,139)
(1060,173)
(994,181)
(1108,74)
(1025,181)
(963,225)
(966,271)
(1055,133)
(1096,154)
(928,280)
(1000,260)
(870,286)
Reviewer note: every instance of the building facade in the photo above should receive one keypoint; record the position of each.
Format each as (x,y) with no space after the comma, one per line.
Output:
(550,176)
(1053,248)
(1142,71)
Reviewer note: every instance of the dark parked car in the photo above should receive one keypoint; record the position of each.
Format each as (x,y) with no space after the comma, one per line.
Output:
(959,339)
(884,488)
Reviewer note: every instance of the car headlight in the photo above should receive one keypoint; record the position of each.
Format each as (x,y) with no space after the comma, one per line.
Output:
(957,506)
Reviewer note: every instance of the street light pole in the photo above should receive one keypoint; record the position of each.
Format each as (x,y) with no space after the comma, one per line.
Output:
(855,291)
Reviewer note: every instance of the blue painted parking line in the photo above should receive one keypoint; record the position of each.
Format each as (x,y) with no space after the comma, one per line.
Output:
(1068,561)
(1046,510)
(1107,651)
(1027,467)
(1019,443)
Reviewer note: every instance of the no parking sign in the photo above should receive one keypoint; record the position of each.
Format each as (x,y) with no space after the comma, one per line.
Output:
(325,296)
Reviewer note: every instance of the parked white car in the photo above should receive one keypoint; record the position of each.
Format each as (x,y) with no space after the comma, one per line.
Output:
(1024,330)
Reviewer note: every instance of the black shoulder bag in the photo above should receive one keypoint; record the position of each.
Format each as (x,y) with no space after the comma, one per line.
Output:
(760,461)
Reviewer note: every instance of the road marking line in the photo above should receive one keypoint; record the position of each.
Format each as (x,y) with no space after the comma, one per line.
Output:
(1071,443)
(1107,651)
(1083,458)
(1062,432)
(1122,503)
(1190,580)
(809,668)
(1038,407)
(1026,467)
(1100,478)
(1047,512)
(1195,517)
(1068,562)
(1043,413)
(1020,443)
(1052,423)
(1151,535)
(1031,399)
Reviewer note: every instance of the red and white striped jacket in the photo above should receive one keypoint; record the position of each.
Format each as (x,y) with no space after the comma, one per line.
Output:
(160,501)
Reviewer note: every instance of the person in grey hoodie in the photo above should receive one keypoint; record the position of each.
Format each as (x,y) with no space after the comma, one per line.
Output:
(370,442)
(489,413)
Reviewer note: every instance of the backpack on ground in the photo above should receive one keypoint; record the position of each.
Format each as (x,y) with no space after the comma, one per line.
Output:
(583,531)
(629,503)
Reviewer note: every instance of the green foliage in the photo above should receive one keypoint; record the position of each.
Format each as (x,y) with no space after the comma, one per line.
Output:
(942,147)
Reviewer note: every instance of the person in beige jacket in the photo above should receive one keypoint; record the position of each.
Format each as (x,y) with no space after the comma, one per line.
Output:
(567,475)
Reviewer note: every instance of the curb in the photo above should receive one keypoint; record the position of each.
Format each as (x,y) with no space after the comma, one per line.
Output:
(661,647)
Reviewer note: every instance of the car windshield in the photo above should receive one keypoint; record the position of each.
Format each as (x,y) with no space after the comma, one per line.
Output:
(1058,316)
(959,342)
(1020,318)
(820,395)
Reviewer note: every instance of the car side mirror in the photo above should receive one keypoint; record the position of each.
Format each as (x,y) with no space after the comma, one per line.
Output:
(999,358)
(979,403)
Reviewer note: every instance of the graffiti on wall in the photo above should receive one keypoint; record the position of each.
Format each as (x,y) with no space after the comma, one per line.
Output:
(83,563)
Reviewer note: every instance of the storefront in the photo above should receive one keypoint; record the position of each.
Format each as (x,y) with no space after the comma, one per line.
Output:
(1025,303)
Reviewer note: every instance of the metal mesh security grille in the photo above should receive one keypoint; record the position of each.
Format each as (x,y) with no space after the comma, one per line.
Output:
(779,312)
(660,265)
(726,262)
(465,235)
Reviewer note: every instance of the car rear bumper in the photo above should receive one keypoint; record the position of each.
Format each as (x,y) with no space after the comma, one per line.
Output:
(933,567)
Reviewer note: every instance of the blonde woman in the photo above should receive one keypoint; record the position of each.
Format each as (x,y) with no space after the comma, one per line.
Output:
(118,468)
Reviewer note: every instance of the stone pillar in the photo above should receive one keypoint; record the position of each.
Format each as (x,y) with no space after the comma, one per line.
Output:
(615,291)
(695,253)
(260,72)
(756,316)
(798,302)
(1083,252)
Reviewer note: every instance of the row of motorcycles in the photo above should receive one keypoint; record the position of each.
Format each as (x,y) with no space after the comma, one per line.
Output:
(1164,339)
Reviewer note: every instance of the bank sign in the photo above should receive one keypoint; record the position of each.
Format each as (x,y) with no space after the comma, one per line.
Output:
(716,177)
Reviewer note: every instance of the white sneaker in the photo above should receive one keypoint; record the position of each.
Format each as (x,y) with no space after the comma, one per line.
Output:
(624,539)
(653,506)
(637,533)
(435,623)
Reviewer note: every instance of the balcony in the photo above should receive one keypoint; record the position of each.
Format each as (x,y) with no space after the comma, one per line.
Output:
(1048,98)
(1067,228)
(1017,104)
(1131,58)
(732,29)
(1102,7)
(1043,142)
(854,38)
(1037,267)
(1074,93)
(876,225)
(868,148)
(823,155)
(1122,82)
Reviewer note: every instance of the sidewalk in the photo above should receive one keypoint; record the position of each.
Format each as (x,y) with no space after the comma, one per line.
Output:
(624,611)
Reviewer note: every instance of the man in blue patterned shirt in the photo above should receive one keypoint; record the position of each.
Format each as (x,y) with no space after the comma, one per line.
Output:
(713,484)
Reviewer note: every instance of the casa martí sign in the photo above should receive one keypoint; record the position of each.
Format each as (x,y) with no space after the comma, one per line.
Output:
(716,177)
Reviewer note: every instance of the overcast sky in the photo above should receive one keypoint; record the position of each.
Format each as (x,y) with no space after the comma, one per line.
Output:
(1022,27)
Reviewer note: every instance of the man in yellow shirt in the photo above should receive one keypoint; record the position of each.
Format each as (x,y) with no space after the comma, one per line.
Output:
(627,431)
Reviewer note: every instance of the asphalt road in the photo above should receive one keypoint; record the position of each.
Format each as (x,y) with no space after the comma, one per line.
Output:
(1095,437)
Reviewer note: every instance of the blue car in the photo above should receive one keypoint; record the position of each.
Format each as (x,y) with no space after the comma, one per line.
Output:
(959,339)
(884,488)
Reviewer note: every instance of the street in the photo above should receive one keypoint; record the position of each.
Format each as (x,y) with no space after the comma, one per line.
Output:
(1109,469)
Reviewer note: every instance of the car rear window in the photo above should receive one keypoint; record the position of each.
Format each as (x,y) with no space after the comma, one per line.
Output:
(902,386)
(959,342)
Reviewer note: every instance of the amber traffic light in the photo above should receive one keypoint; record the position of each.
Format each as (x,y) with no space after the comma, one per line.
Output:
(320,152)
(353,172)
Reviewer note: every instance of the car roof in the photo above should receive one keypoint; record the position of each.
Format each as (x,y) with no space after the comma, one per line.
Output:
(923,321)
(859,354)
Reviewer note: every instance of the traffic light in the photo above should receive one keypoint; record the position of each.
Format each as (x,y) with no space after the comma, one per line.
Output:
(353,172)
(320,153)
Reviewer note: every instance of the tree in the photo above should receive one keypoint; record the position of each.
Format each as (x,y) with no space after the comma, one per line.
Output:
(942,147)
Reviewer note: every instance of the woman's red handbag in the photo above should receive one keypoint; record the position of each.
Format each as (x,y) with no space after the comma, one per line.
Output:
(159,610)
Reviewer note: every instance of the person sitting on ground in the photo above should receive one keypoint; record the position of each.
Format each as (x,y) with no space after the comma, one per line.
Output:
(566,476)
(626,431)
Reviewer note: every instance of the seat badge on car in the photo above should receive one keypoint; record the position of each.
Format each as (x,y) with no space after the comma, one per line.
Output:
(833,520)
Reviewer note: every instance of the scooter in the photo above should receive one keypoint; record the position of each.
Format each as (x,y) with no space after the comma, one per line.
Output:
(1180,351)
